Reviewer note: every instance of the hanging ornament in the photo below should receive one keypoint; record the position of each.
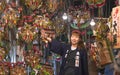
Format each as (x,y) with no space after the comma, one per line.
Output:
(27,33)
(98,3)
(3,69)
(2,53)
(43,22)
(32,59)
(38,21)
(19,70)
(1,34)
(2,6)
(52,5)
(10,17)
(46,70)
(33,4)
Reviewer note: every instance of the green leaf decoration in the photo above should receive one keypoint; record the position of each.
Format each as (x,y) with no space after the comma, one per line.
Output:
(74,26)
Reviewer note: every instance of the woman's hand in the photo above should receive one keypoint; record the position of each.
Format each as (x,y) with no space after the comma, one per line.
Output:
(47,37)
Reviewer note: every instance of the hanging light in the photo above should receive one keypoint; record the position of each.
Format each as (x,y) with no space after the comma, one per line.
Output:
(64,16)
(92,23)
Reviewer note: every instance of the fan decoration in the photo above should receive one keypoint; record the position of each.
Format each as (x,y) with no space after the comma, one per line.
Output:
(10,17)
(98,3)
(33,4)
(27,33)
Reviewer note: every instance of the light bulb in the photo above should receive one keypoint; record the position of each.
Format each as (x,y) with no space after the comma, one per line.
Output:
(64,16)
(92,23)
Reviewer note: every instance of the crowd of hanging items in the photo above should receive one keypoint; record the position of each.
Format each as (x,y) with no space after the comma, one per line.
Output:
(19,28)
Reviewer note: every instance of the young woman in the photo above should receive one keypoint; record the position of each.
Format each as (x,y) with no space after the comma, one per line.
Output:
(74,55)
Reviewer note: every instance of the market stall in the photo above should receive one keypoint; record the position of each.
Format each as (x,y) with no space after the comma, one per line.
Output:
(24,52)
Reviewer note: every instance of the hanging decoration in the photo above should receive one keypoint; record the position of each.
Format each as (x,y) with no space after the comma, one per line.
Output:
(32,58)
(3,53)
(20,70)
(3,69)
(2,5)
(115,28)
(94,3)
(10,17)
(1,35)
(52,5)
(101,49)
(43,22)
(80,18)
(33,4)
(27,33)
(46,70)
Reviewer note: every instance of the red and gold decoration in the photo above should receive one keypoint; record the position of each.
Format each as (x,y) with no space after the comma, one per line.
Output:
(19,70)
(98,3)
(43,22)
(115,28)
(32,58)
(10,17)
(27,33)
(2,53)
(52,5)
(1,35)
(46,70)
(2,5)
(34,4)
(3,69)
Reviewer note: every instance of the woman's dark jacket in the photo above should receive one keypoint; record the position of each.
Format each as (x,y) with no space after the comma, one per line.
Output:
(61,49)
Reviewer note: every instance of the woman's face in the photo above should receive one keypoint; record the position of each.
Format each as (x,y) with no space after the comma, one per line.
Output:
(75,39)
